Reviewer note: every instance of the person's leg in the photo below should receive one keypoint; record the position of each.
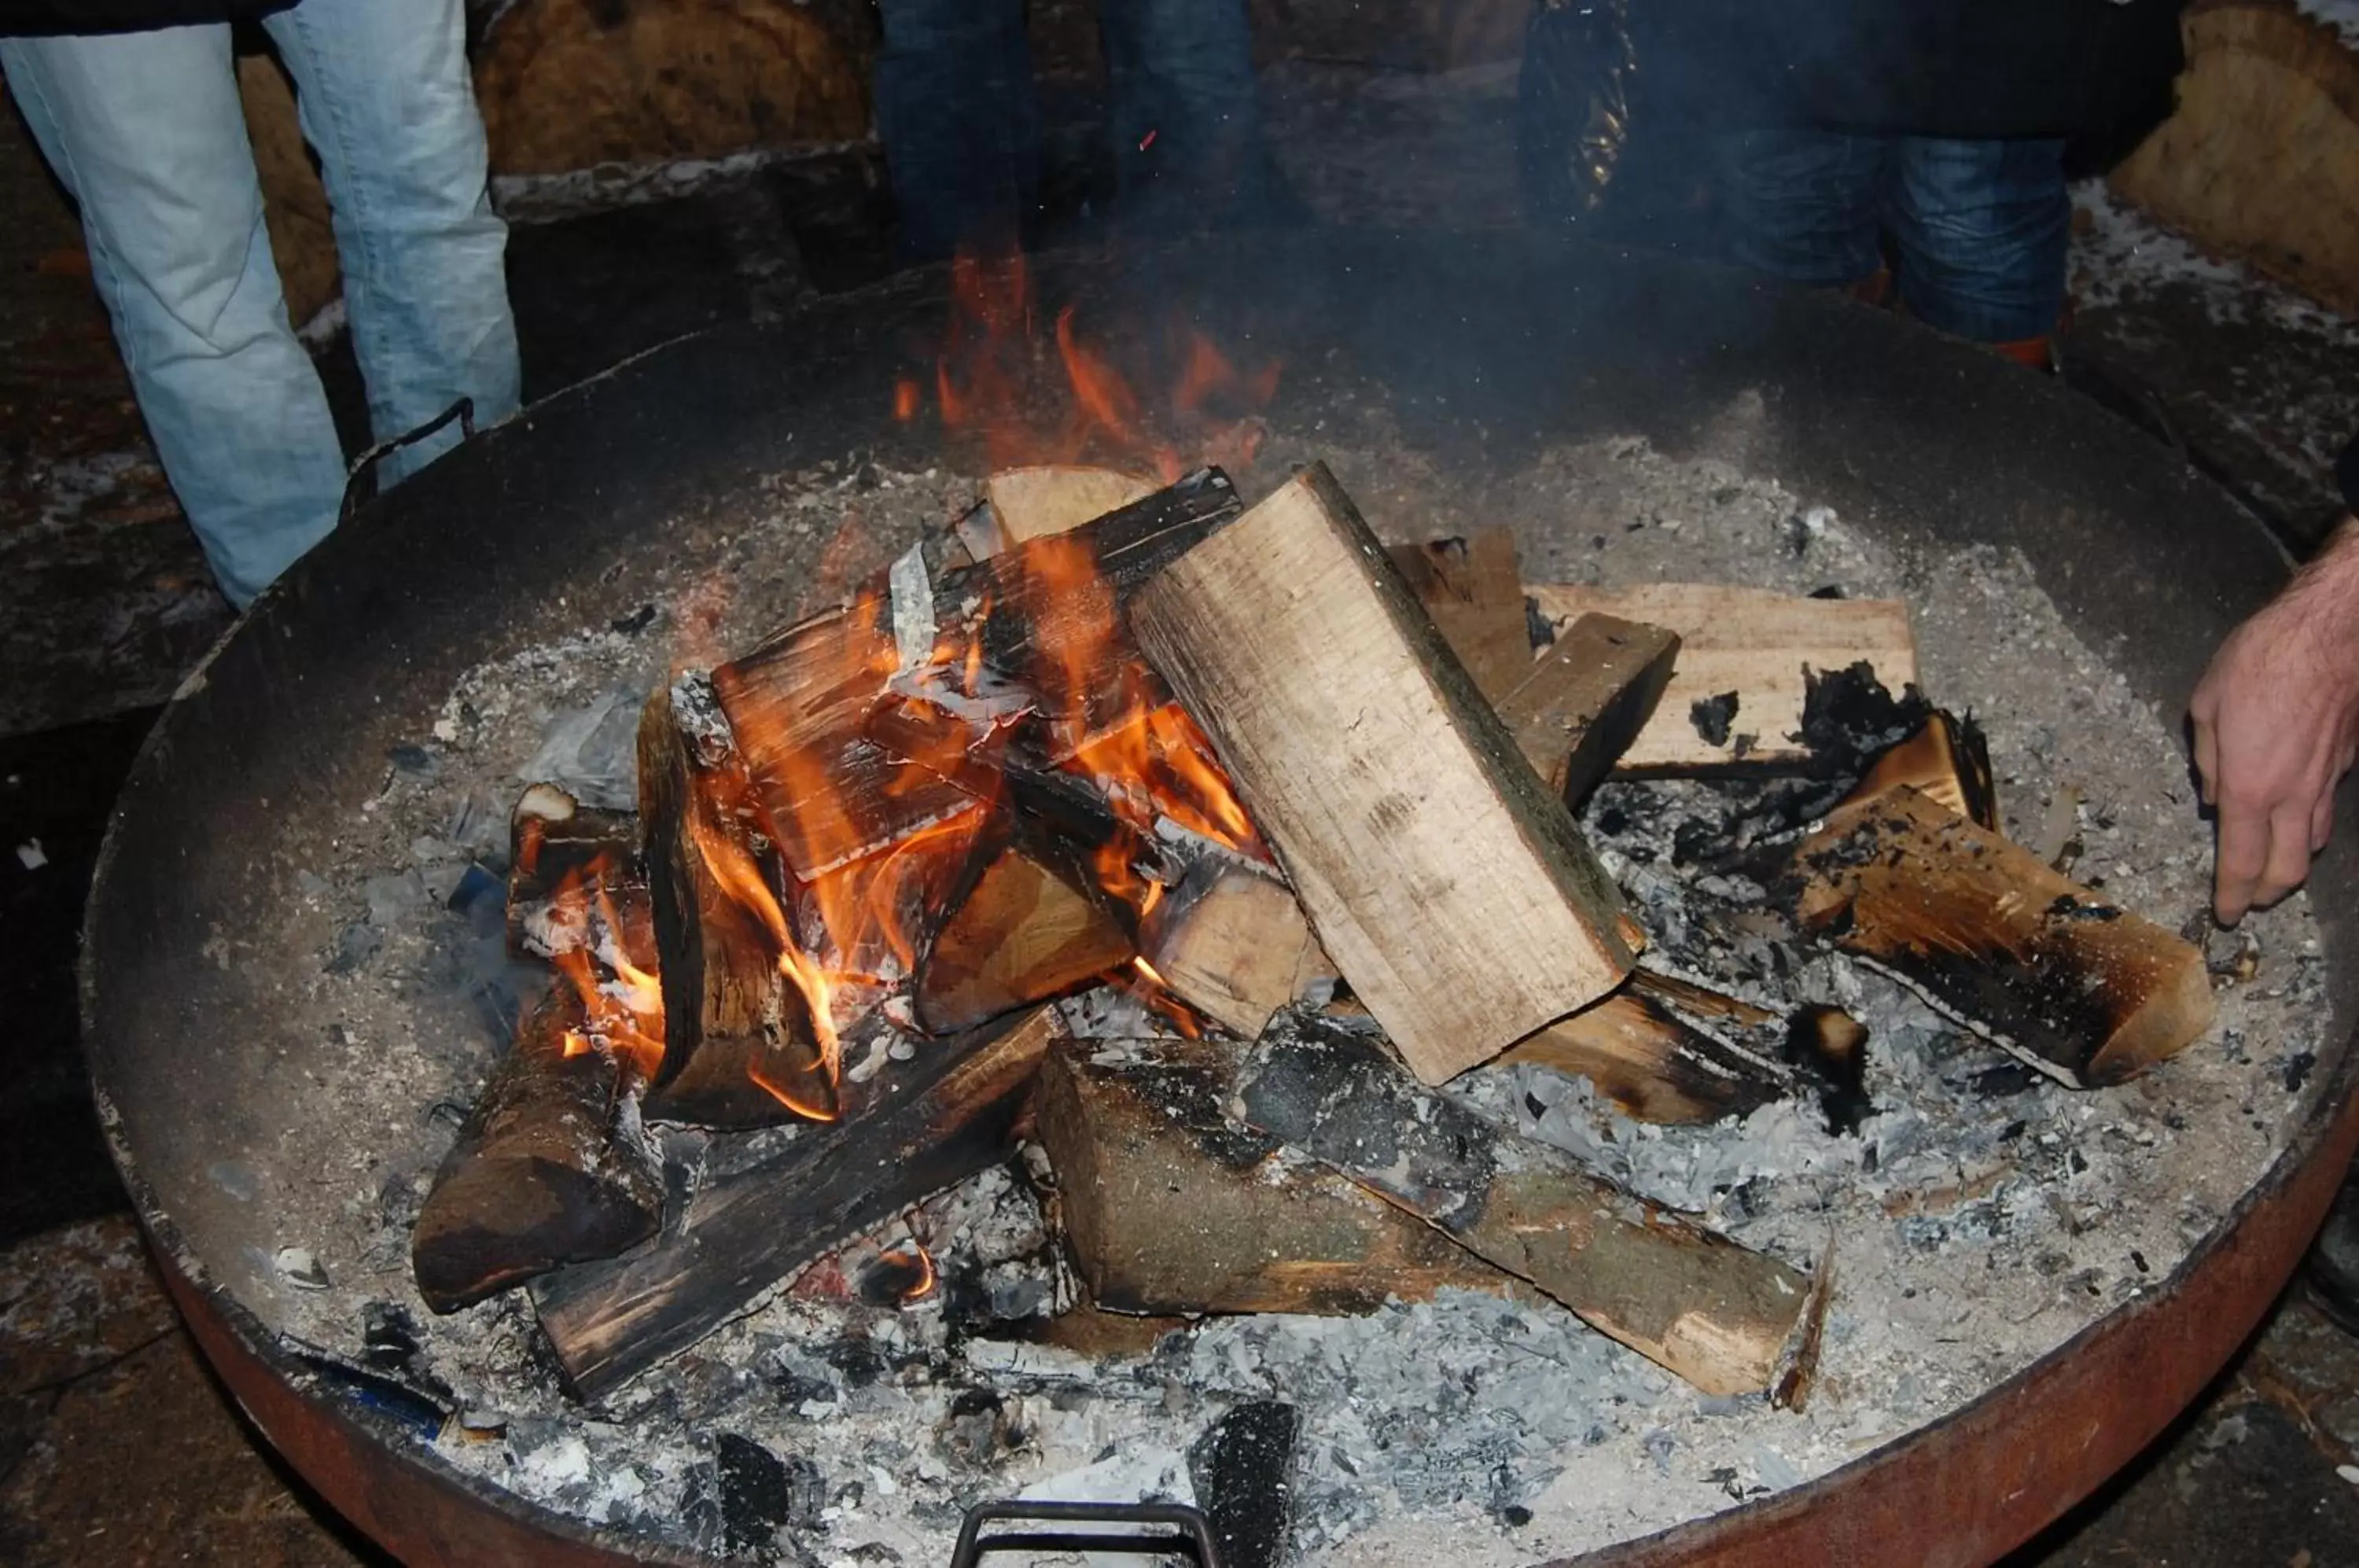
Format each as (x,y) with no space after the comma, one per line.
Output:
(146,131)
(1982,228)
(1185,114)
(955,111)
(386,102)
(1801,204)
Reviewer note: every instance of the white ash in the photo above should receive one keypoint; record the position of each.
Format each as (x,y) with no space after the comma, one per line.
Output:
(1981,1214)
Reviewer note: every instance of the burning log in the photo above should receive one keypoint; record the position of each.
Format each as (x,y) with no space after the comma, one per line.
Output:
(1694,1302)
(1578,708)
(1029,920)
(1230,941)
(556,843)
(1034,627)
(1170,1207)
(1988,931)
(1735,696)
(1020,504)
(1650,1063)
(551,1166)
(742,1046)
(921,1126)
(1473,589)
(1454,893)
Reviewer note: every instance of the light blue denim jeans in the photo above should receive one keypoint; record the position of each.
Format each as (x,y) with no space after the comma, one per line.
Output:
(145,132)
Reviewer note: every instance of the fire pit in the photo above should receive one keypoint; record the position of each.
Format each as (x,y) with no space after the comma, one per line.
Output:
(696,494)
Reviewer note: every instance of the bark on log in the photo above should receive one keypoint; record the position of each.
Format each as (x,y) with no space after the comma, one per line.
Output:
(1653,1066)
(1743,641)
(1988,932)
(1454,893)
(1692,1301)
(1169,1207)
(739,1047)
(550,1167)
(927,1124)
(1230,941)
(1473,589)
(1578,709)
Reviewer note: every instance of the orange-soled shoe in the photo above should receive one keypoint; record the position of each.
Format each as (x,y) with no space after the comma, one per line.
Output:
(2036,353)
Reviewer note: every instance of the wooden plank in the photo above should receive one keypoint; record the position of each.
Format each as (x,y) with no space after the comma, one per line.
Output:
(1453,891)
(1688,1299)
(550,1167)
(1749,641)
(948,1114)
(1473,589)
(1991,934)
(1168,1206)
(1579,707)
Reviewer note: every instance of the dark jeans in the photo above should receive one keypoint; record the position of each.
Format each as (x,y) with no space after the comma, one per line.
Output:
(955,110)
(1980,227)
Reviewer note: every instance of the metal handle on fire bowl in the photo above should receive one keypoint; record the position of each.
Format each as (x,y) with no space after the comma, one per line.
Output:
(1190,1532)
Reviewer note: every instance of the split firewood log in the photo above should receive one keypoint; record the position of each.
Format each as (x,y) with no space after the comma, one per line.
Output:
(1230,941)
(550,1167)
(919,1126)
(557,847)
(1698,1305)
(1036,502)
(1578,708)
(1168,1206)
(1994,937)
(1455,895)
(1650,1063)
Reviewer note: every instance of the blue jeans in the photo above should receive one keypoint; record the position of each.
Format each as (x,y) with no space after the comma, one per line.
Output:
(1980,227)
(956,113)
(147,133)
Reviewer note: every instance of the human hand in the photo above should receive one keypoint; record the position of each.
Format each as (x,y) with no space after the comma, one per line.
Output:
(2276,725)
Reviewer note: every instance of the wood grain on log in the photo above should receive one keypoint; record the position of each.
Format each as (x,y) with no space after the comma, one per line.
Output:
(924,1124)
(1447,884)
(1169,1207)
(1020,504)
(1029,920)
(1688,1299)
(1947,763)
(1991,934)
(1653,1066)
(1745,641)
(549,1167)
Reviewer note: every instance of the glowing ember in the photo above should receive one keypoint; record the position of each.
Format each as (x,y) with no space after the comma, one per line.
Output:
(899,1277)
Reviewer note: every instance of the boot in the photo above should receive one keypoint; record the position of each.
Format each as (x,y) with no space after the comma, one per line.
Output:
(2332,1270)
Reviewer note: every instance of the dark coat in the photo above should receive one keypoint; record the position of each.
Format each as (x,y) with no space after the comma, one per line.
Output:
(20,18)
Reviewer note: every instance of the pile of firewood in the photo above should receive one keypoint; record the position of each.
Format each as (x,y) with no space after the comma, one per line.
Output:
(1318,800)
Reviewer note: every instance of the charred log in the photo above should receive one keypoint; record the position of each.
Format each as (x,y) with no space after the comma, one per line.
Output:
(926,1125)
(1692,1301)
(1170,1207)
(550,1167)
(1655,1067)
(1990,933)
(556,843)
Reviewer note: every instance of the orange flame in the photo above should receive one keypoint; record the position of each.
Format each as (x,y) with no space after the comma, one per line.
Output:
(988,379)
(622,1003)
(733,868)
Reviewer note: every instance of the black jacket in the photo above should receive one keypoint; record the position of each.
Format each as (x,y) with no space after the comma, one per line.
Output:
(20,18)
(1950,67)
